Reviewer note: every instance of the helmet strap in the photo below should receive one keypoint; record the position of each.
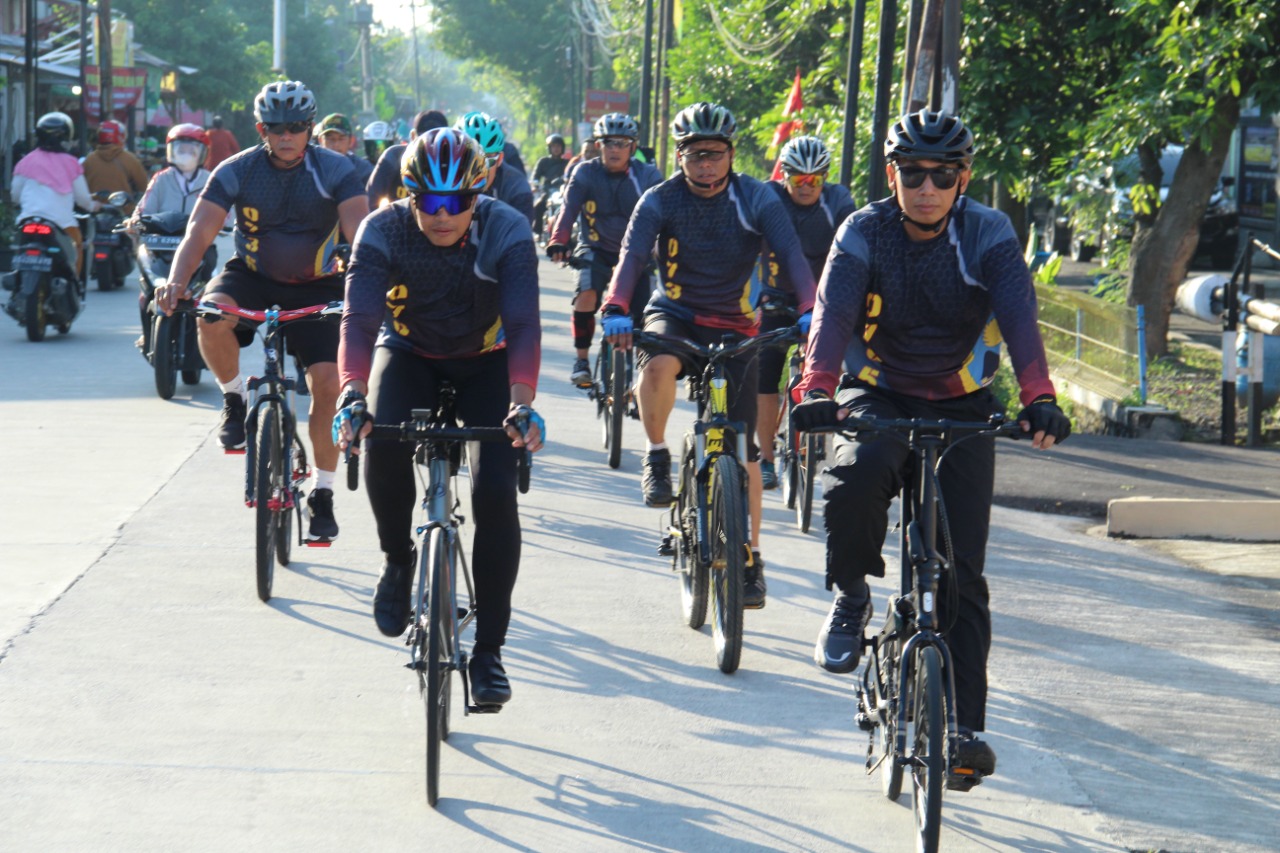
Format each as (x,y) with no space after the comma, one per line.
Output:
(714,185)
(934,228)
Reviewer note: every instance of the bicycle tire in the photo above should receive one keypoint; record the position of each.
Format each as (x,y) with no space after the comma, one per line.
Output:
(929,748)
(685,559)
(887,730)
(163,357)
(439,657)
(600,387)
(267,488)
(787,455)
(617,406)
(806,467)
(728,560)
(284,523)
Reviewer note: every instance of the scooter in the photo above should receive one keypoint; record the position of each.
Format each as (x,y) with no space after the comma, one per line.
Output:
(46,290)
(112,248)
(168,343)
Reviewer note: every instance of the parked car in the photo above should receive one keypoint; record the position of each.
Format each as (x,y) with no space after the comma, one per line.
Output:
(1099,213)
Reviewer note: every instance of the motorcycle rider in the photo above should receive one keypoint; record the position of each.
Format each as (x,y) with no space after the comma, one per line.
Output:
(50,183)
(336,134)
(545,171)
(222,144)
(110,168)
(505,182)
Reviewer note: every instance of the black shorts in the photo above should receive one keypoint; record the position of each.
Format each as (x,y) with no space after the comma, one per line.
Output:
(773,360)
(596,273)
(313,341)
(741,372)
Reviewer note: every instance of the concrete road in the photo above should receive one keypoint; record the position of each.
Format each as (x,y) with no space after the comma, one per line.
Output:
(150,702)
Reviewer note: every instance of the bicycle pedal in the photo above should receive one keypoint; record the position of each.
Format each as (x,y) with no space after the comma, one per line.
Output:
(319,543)
(865,722)
(483,709)
(416,665)
(668,547)
(233,451)
(963,779)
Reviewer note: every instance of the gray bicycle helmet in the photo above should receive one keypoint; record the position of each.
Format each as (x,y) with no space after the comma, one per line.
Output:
(929,135)
(703,121)
(284,102)
(805,155)
(616,124)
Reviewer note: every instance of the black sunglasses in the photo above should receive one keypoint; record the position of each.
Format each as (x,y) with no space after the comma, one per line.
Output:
(280,128)
(943,177)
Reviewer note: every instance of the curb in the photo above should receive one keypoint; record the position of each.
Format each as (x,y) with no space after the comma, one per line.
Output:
(1191,518)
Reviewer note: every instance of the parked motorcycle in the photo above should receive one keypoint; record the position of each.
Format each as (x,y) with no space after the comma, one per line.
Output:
(168,343)
(46,290)
(112,248)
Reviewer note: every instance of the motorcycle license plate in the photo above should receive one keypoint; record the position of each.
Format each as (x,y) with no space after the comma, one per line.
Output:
(159,241)
(39,263)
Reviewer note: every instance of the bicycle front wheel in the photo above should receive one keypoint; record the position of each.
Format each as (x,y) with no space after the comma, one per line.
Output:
(929,748)
(617,406)
(439,661)
(728,560)
(270,482)
(806,469)
(888,696)
(786,444)
(686,557)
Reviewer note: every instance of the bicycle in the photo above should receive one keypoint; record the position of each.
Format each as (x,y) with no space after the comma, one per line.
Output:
(908,678)
(708,536)
(276,468)
(798,455)
(438,620)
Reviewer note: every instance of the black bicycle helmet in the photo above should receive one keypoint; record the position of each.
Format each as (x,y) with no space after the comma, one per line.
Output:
(616,124)
(929,135)
(284,102)
(703,121)
(54,132)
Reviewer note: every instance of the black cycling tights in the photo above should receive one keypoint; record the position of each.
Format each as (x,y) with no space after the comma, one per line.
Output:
(401,382)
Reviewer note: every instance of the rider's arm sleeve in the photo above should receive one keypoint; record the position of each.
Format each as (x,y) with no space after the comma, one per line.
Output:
(637,248)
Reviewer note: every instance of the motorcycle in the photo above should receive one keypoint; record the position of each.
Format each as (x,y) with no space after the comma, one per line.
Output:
(168,343)
(112,248)
(554,189)
(46,289)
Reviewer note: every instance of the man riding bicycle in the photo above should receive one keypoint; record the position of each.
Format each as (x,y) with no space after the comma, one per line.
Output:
(454,275)
(929,282)
(707,223)
(816,209)
(504,182)
(604,192)
(290,199)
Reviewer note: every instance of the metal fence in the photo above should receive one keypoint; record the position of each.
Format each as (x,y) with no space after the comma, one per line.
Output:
(1100,343)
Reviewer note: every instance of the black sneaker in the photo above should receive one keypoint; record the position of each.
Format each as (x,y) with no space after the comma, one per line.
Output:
(656,479)
(839,646)
(324,527)
(768,475)
(392,597)
(231,429)
(489,684)
(975,754)
(754,588)
(581,375)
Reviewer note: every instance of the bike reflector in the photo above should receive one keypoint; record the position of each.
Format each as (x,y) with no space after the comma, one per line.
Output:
(37,228)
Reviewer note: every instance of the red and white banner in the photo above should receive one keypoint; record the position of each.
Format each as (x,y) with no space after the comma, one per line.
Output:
(127,85)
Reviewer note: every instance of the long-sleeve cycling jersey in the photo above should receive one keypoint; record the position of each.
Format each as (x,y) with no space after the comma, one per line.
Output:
(512,187)
(815,225)
(384,184)
(931,314)
(605,200)
(707,248)
(474,297)
(286,219)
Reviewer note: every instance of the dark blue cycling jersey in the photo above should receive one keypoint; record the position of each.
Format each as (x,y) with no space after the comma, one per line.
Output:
(443,302)
(931,314)
(815,225)
(286,219)
(511,186)
(707,249)
(385,184)
(605,201)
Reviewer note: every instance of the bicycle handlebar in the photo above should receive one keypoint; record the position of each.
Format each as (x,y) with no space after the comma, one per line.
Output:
(289,315)
(998,425)
(678,346)
(419,430)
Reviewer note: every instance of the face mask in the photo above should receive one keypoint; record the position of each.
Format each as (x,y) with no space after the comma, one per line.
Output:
(185,161)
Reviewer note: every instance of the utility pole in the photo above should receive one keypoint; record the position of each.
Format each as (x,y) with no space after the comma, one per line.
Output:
(364,15)
(417,69)
(853,83)
(278,38)
(663,85)
(105,66)
(884,80)
(83,135)
(30,45)
(646,78)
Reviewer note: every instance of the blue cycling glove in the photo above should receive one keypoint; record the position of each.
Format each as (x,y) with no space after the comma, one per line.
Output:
(521,416)
(804,321)
(617,324)
(351,411)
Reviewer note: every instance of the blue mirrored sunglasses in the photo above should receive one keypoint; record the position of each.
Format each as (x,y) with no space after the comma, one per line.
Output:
(431,204)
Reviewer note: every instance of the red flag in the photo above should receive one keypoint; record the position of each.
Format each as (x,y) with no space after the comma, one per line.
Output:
(795,103)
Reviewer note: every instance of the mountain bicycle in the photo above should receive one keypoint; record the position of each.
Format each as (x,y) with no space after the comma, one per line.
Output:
(438,619)
(276,468)
(708,536)
(907,699)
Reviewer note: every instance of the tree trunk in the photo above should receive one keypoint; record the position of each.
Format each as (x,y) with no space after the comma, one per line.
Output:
(1162,253)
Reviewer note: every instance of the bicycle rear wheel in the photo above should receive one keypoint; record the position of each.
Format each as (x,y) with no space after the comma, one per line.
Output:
(929,748)
(810,452)
(439,661)
(269,485)
(685,557)
(616,408)
(728,560)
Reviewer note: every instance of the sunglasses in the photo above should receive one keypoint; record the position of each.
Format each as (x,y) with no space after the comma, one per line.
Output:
(616,142)
(705,154)
(492,160)
(431,204)
(816,180)
(280,128)
(943,177)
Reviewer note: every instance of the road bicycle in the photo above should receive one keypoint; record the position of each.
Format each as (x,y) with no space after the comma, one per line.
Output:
(798,455)
(708,536)
(906,699)
(438,616)
(275,469)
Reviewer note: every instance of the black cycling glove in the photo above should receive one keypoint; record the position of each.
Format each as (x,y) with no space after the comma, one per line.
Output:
(1044,415)
(816,410)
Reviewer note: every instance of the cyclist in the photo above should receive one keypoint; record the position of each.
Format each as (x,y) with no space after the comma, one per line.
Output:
(336,134)
(546,172)
(110,168)
(590,151)
(291,200)
(505,182)
(378,137)
(929,281)
(443,286)
(605,191)
(816,209)
(707,222)
(384,184)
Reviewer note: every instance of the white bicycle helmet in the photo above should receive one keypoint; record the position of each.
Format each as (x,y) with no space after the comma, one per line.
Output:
(284,102)
(805,155)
